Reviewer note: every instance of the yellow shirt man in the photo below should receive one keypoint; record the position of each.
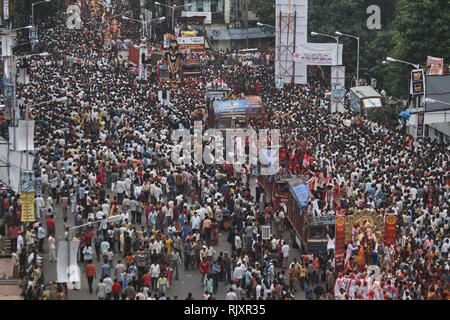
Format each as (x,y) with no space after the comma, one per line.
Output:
(303,271)
(168,245)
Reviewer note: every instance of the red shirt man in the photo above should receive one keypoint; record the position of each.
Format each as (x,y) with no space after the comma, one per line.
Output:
(116,290)
(51,225)
(87,237)
(146,279)
(316,264)
(204,267)
(90,270)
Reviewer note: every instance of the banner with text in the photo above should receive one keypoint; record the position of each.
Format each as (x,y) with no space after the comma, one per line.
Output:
(340,244)
(193,43)
(323,220)
(390,228)
(27,206)
(318,54)
(420,125)
(266,233)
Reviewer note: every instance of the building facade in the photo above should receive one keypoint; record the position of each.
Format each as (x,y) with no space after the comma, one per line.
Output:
(229,24)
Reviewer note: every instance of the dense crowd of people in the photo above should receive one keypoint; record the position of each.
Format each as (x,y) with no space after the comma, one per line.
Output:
(107,152)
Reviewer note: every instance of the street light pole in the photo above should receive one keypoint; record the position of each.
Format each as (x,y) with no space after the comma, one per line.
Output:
(173,8)
(357,59)
(173,19)
(417,66)
(404,62)
(32,9)
(333,37)
(259,24)
(357,66)
(337,54)
(143,22)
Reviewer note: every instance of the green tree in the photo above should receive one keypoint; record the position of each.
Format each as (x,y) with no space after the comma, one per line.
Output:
(135,6)
(420,29)
(42,11)
(264,10)
(410,30)
(347,16)
(150,5)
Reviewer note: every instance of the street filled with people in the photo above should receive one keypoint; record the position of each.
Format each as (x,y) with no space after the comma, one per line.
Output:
(107,151)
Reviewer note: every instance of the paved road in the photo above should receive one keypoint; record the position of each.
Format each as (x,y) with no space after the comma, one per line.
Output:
(189,281)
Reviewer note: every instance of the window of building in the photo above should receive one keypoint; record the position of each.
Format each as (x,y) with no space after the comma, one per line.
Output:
(200,6)
(213,5)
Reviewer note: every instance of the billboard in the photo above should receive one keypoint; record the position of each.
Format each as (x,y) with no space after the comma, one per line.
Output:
(417,82)
(337,89)
(318,54)
(27,181)
(291,29)
(435,66)
(249,105)
(193,43)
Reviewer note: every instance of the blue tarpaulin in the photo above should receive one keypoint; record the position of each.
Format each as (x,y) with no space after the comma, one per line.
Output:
(301,193)
(405,114)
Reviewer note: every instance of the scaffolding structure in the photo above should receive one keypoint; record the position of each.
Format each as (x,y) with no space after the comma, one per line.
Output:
(291,29)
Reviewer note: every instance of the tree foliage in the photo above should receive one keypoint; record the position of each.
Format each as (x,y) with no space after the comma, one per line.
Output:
(410,30)
(42,11)
(264,10)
